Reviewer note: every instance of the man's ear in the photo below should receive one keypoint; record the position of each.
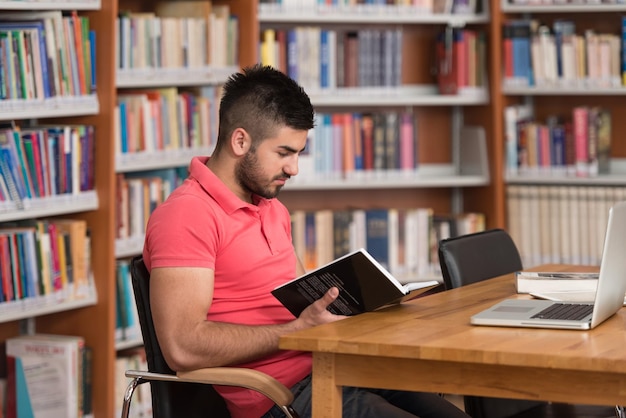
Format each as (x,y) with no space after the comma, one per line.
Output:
(240,142)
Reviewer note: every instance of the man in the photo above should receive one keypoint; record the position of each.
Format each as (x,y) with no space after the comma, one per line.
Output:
(221,242)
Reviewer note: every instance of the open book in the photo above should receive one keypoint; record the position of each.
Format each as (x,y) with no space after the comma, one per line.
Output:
(364,285)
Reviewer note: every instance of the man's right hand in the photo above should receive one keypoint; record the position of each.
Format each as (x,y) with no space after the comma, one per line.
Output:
(317,314)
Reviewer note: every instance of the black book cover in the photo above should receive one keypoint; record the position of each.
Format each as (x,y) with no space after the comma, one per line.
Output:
(364,285)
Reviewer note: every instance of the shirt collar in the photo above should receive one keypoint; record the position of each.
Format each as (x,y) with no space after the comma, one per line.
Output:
(215,188)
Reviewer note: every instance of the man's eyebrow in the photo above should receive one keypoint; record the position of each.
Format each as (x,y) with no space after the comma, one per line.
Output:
(290,149)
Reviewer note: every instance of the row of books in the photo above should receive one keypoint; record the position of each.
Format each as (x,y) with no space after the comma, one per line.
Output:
(537,54)
(322,58)
(134,359)
(359,146)
(461,59)
(48,376)
(404,241)
(138,194)
(45,55)
(181,35)
(127,326)
(566,2)
(165,119)
(43,161)
(43,262)
(577,145)
(425,7)
(560,224)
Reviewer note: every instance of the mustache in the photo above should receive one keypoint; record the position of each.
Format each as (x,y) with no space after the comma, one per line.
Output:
(282,177)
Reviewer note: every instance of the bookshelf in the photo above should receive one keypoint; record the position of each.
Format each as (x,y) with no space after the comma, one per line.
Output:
(450,180)
(91,317)
(588,196)
(442,180)
(156,77)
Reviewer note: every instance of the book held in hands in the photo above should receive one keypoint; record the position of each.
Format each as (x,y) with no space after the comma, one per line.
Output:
(553,281)
(364,285)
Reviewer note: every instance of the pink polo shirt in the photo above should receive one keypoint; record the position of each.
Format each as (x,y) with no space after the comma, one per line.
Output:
(203,224)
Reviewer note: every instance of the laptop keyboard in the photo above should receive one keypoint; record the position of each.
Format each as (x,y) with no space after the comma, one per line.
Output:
(566,311)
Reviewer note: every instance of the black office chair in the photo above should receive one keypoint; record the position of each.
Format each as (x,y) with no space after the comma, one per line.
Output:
(189,394)
(479,256)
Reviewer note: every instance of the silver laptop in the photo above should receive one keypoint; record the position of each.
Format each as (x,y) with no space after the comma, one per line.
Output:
(609,297)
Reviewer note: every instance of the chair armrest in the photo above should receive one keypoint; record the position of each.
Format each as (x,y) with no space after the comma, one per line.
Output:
(247,378)
(226,376)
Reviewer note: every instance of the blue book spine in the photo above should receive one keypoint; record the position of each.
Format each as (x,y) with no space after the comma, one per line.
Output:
(292,54)
(55,152)
(83,158)
(10,163)
(324,59)
(558,145)
(624,50)
(124,127)
(521,51)
(93,55)
(22,163)
(21,256)
(53,163)
(358,154)
(377,235)
(321,125)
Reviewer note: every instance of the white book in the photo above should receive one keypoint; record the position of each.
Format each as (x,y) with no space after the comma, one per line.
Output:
(47,370)
(553,281)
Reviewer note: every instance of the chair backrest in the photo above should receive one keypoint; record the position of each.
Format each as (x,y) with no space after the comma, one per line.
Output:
(169,400)
(475,257)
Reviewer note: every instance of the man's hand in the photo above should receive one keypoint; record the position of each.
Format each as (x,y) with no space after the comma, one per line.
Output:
(317,314)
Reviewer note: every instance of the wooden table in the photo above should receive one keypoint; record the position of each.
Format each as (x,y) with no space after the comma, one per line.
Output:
(429,345)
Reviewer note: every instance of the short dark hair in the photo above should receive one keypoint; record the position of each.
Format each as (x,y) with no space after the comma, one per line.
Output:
(261,99)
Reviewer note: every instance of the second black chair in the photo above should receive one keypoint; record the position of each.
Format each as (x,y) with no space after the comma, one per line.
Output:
(475,257)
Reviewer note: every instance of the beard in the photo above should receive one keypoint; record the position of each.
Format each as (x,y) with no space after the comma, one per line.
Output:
(249,176)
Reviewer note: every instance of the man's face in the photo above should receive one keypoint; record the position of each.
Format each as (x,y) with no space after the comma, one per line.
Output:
(265,170)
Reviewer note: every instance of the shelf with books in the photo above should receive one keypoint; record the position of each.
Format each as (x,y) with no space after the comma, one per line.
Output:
(554,224)
(428,176)
(615,177)
(49,206)
(564,90)
(141,161)
(365,14)
(165,77)
(49,108)
(49,4)
(129,343)
(67,97)
(472,170)
(546,7)
(29,308)
(128,247)
(552,211)
(406,95)
(398,78)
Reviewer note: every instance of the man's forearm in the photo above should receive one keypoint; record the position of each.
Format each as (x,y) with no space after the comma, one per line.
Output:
(213,344)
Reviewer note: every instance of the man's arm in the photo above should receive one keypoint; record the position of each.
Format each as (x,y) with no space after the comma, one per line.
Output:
(180,299)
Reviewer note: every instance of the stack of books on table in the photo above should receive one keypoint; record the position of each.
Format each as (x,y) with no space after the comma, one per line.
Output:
(559,286)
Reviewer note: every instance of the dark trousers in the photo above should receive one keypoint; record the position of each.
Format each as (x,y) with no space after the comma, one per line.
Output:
(375,403)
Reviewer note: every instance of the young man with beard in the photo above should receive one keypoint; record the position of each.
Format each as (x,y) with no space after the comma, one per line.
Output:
(221,242)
